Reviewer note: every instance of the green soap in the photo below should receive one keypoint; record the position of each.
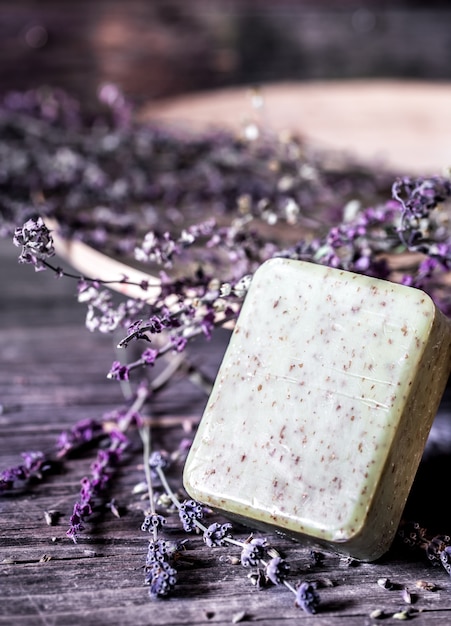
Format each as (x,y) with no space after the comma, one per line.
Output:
(322,406)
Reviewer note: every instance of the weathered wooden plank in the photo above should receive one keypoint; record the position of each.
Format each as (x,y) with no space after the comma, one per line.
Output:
(216,590)
(51,375)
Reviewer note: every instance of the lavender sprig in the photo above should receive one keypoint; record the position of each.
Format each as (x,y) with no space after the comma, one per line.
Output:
(106,462)
(160,574)
(84,432)
(94,485)
(176,342)
(307,598)
(34,464)
(362,243)
(252,550)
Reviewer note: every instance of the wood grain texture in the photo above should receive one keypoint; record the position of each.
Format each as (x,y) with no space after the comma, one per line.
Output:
(52,373)
(164,48)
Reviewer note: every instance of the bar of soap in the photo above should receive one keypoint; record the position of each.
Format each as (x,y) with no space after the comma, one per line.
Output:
(322,406)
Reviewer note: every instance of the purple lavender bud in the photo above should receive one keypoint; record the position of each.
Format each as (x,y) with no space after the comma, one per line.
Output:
(208,323)
(253,551)
(156,551)
(160,574)
(118,371)
(6,481)
(190,512)
(153,522)
(36,242)
(35,463)
(82,433)
(161,577)
(149,356)
(445,559)
(306,598)
(179,343)
(32,460)
(155,325)
(277,570)
(216,534)
(159,459)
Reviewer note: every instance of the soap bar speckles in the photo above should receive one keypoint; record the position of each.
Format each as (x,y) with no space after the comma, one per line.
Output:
(322,406)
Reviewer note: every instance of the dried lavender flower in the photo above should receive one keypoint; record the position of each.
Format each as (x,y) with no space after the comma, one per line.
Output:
(412,535)
(35,463)
(83,432)
(307,598)
(92,486)
(118,371)
(159,459)
(153,522)
(385,583)
(276,570)
(408,597)
(161,577)
(445,559)
(426,585)
(36,242)
(253,551)
(216,534)
(436,547)
(157,551)
(190,512)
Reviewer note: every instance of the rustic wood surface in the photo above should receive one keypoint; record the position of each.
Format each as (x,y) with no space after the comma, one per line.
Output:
(52,373)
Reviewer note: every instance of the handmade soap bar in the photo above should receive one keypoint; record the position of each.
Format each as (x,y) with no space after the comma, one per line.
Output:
(322,406)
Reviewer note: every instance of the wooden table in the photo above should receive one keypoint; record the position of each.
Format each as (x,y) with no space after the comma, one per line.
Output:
(53,373)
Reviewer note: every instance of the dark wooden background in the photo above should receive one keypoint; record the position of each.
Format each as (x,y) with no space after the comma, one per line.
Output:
(52,370)
(159,48)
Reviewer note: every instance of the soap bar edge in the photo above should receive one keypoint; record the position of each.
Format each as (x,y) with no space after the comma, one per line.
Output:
(442,349)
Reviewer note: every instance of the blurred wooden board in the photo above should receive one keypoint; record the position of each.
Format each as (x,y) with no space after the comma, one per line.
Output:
(405,125)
